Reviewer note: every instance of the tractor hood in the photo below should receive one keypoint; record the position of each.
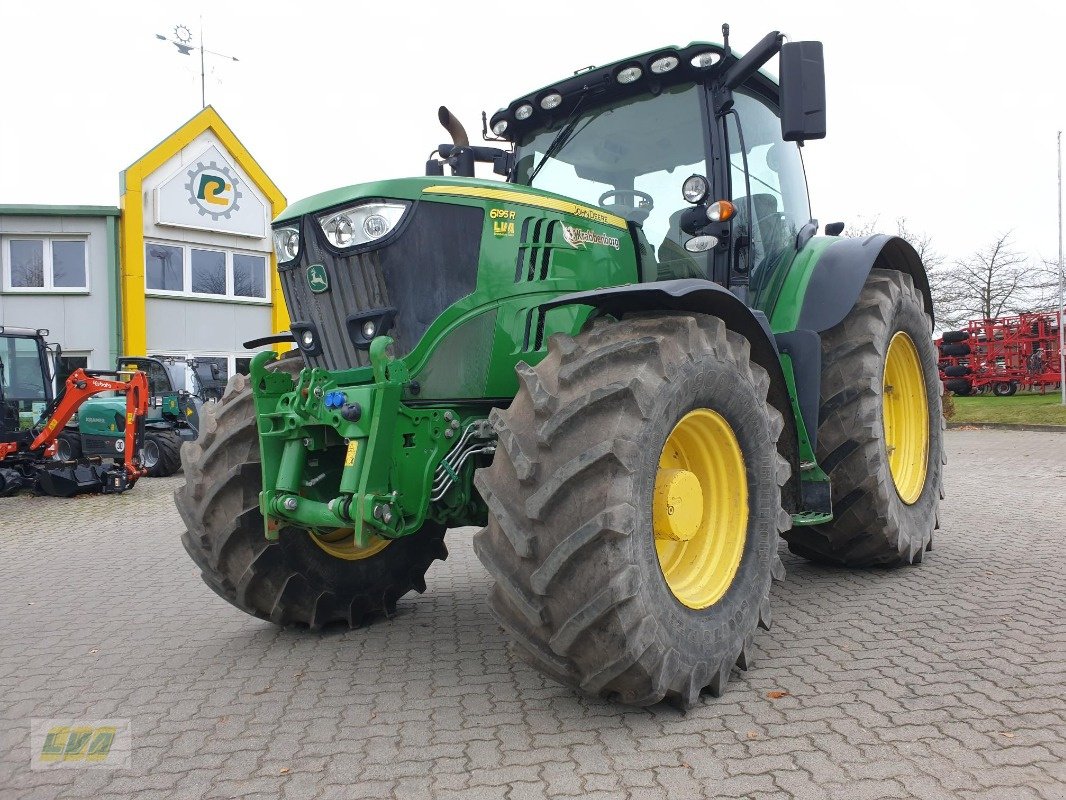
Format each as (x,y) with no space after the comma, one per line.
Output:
(429,188)
(388,258)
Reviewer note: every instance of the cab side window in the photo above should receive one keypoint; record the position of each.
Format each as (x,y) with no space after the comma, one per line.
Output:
(158,380)
(768,185)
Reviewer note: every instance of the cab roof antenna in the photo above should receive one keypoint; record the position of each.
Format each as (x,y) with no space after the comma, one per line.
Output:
(725,36)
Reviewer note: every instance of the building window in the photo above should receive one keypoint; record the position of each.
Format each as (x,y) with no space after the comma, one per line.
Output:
(208,269)
(68,362)
(204,374)
(249,275)
(44,264)
(163,268)
(195,271)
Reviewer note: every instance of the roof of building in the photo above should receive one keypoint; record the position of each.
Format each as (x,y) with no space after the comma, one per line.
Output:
(34,210)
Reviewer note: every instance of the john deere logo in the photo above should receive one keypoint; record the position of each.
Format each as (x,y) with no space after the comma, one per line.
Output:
(213,190)
(317,279)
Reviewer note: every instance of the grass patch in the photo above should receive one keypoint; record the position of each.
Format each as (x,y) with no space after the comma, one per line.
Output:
(1031,409)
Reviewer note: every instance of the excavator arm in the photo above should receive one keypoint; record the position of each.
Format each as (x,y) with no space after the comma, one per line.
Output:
(26,463)
(83,384)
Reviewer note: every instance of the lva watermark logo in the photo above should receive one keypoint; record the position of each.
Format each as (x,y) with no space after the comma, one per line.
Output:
(98,743)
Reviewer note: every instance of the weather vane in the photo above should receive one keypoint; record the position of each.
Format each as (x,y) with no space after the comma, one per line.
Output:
(182,39)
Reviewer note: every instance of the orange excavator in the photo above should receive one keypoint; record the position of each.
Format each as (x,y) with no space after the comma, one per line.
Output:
(27,454)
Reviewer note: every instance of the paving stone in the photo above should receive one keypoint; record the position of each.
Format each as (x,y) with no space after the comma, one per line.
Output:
(945,680)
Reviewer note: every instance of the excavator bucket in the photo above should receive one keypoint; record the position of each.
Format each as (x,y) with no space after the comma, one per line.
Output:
(66,479)
(11,482)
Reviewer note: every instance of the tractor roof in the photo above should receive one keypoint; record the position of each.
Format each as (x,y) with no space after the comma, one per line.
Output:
(599,85)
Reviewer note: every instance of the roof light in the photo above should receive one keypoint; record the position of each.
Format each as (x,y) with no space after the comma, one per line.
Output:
(664,64)
(550,101)
(500,127)
(704,60)
(524,111)
(629,74)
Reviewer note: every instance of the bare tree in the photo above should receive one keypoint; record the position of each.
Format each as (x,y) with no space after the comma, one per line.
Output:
(1046,285)
(864,226)
(994,281)
(28,272)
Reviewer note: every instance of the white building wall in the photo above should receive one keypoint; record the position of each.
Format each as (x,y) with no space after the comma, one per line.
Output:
(201,325)
(78,320)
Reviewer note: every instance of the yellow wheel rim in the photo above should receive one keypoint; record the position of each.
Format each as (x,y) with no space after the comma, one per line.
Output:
(700,508)
(341,544)
(906,418)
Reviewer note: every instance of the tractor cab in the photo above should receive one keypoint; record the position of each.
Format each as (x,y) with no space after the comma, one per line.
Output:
(696,149)
(27,373)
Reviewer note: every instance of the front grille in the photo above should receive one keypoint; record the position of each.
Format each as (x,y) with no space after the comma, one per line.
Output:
(430,264)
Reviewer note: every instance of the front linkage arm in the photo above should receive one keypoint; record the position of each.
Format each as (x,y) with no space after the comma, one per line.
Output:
(338,453)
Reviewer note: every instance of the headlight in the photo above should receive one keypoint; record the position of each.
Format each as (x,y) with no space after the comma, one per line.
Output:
(361,224)
(286,244)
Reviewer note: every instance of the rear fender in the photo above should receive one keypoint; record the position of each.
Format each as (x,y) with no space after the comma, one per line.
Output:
(837,277)
(705,297)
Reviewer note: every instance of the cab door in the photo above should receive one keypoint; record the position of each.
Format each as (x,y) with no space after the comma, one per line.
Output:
(769,189)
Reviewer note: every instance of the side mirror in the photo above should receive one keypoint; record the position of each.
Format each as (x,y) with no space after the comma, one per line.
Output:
(802,91)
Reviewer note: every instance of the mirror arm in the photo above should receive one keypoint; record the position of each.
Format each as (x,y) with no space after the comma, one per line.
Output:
(750,63)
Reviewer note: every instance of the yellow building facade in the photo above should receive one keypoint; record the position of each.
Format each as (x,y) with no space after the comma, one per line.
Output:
(197,271)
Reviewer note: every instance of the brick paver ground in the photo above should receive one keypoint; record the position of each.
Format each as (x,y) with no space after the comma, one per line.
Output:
(940,681)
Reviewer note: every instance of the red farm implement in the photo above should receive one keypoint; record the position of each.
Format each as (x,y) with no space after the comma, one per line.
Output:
(1002,355)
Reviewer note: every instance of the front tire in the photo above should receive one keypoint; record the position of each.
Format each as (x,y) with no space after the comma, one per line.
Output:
(296,580)
(589,582)
(68,446)
(1005,389)
(883,452)
(161,453)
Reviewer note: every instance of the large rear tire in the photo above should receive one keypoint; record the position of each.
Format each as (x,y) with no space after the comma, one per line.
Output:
(297,579)
(620,433)
(879,371)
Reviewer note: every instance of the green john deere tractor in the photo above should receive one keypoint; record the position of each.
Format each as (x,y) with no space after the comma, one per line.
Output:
(635,363)
(173,417)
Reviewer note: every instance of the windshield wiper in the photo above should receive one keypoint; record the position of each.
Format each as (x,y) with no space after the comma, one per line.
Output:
(561,138)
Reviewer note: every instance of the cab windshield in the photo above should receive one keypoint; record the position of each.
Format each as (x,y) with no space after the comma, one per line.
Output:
(631,159)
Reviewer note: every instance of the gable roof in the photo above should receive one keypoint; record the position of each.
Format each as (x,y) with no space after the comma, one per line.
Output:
(206,120)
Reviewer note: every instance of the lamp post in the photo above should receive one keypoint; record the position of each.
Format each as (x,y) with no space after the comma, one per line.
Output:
(1062,280)
(182,40)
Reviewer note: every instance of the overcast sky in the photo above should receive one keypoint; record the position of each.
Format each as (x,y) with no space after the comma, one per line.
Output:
(943,112)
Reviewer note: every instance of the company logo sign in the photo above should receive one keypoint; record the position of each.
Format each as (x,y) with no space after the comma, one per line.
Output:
(213,190)
(98,743)
(317,278)
(579,237)
(210,193)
